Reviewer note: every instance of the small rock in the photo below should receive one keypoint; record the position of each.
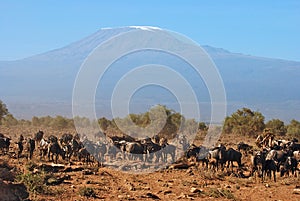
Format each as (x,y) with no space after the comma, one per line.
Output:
(267,185)
(151,195)
(182,195)
(167,192)
(195,190)
(296,191)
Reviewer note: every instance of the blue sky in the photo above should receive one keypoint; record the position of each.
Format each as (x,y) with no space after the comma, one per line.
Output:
(268,28)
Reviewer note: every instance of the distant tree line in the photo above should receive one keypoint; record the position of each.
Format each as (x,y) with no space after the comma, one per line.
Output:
(242,122)
(251,123)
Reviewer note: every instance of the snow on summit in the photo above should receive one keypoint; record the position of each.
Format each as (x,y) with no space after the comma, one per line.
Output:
(145,28)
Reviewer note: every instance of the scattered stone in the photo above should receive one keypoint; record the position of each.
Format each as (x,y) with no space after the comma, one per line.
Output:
(130,187)
(195,190)
(267,185)
(296,191)
(167,192)
(181,196)
(153,196)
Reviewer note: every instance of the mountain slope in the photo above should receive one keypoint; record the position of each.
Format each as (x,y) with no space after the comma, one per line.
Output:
(42,84)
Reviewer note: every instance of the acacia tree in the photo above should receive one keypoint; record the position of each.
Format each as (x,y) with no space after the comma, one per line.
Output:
(3,111)
(276,126)
(244,122)
(293,129)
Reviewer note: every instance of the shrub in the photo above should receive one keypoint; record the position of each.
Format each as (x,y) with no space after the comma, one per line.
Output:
(220,192)
(87,192)
(34,182)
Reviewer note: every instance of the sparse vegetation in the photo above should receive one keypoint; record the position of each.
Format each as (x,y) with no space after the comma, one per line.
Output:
(47,184)
(220,192)
(277,127)
(34,183)
(244,122)
(293,129)
(87,192)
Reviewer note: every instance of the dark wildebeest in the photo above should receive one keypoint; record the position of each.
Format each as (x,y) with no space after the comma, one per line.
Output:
(168,149)
(214,156)
(100,151)
(152,149)
(76,146)
(244,147)
(4,144)
(38,136)
(294,146)
(257,161)
(192,151)
(199,153)
(52,139)
(230,156)
(269,165)
(279,156)
(66,138)
(289,165)
(20,148)
(268,168)
(68,151)
(85,154)
(135,150)
(55,150)
(30,147)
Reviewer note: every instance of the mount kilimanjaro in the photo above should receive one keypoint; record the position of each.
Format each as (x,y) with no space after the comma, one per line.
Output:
(42,85)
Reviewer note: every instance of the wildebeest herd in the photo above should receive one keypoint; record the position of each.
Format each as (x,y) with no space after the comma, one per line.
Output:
(267,157)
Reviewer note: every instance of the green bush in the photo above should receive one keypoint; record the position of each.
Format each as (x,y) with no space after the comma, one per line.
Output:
(34,183)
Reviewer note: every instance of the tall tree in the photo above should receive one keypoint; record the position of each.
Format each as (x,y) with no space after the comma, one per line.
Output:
(244,122)
(276,126)
(293,129)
